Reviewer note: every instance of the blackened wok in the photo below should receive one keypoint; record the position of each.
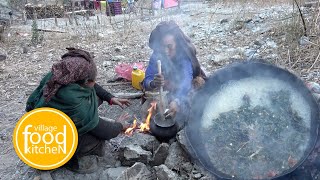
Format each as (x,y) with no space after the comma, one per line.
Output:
(236,72)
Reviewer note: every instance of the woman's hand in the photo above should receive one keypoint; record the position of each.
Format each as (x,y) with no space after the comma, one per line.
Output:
(173,109)
(157,81)
(120,102)
(122,119)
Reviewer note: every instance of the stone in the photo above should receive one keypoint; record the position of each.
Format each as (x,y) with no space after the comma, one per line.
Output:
(164,173)
(218,49)
(304,40)
(117,164)
(137,171)
(231,51)
(255,29)
(224,21)
(248,20)
(176,157)
(118,58)
(25,50)
(197,175)
(37,178)
(262,16)
(187,167)
(311,4)
(238,25)
(250,53)
(258,43)
(160,154)
(112,173)
(117,49)
(208,178)
(266,29)
(145,141)
(63,173)
(271,44)
(106,63)
(183,141)
(134,153)
(3,57)
(101,35)
(110,157)
(257,19)
(3,136)
(218,57)
(45,175)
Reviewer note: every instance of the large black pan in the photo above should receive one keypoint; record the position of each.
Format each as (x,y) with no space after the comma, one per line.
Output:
(236,72)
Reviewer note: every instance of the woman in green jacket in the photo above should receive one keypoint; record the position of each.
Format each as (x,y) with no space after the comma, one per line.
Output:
(70,87)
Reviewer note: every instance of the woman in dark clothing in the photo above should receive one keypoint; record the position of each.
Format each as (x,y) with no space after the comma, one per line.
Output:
(71,88)
(180,66)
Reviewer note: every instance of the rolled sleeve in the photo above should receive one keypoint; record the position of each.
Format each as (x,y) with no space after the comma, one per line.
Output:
(150,73)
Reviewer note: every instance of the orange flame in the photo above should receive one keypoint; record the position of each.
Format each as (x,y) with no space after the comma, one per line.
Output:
(129,131)
(146,126)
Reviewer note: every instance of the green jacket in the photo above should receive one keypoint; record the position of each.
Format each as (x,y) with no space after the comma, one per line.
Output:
(78,102)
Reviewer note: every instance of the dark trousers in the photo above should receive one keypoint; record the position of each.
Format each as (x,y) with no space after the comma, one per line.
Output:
(93,140)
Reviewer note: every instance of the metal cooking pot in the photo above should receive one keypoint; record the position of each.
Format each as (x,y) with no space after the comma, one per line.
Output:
(163,133)
(234,72)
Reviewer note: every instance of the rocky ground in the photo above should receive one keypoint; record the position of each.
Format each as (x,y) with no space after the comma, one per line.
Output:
(222,33)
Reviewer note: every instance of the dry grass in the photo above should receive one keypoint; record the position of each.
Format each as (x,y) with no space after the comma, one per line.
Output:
(301,57)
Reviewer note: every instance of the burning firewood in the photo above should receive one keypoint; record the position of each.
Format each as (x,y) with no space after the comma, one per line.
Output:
(143,127)
(130,130)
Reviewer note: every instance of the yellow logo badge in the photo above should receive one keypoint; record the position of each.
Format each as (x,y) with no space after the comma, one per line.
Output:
(45,138)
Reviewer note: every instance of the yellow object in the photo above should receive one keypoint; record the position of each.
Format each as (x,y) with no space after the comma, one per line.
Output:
(137,78)
(103,6)
(45,138)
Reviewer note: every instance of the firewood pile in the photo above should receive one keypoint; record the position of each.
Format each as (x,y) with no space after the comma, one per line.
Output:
(44,11)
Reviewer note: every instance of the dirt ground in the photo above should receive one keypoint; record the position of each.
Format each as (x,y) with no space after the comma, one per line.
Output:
(221,32)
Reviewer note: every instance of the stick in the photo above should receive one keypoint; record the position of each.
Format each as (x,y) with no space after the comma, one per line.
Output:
(115,84)
(302,18)
(242,146)
(50,30)
(160,92)
(129,95)
(289,58)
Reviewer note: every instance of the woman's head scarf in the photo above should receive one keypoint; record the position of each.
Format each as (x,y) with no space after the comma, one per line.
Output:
(76,65)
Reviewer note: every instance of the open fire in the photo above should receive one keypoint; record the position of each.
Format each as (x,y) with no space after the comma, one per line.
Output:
(143,127)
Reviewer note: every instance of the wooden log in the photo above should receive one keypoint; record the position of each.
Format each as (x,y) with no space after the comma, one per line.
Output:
(129,95)
(98,20)
(116,83)
(1,28)
(50,30)
(55,21)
